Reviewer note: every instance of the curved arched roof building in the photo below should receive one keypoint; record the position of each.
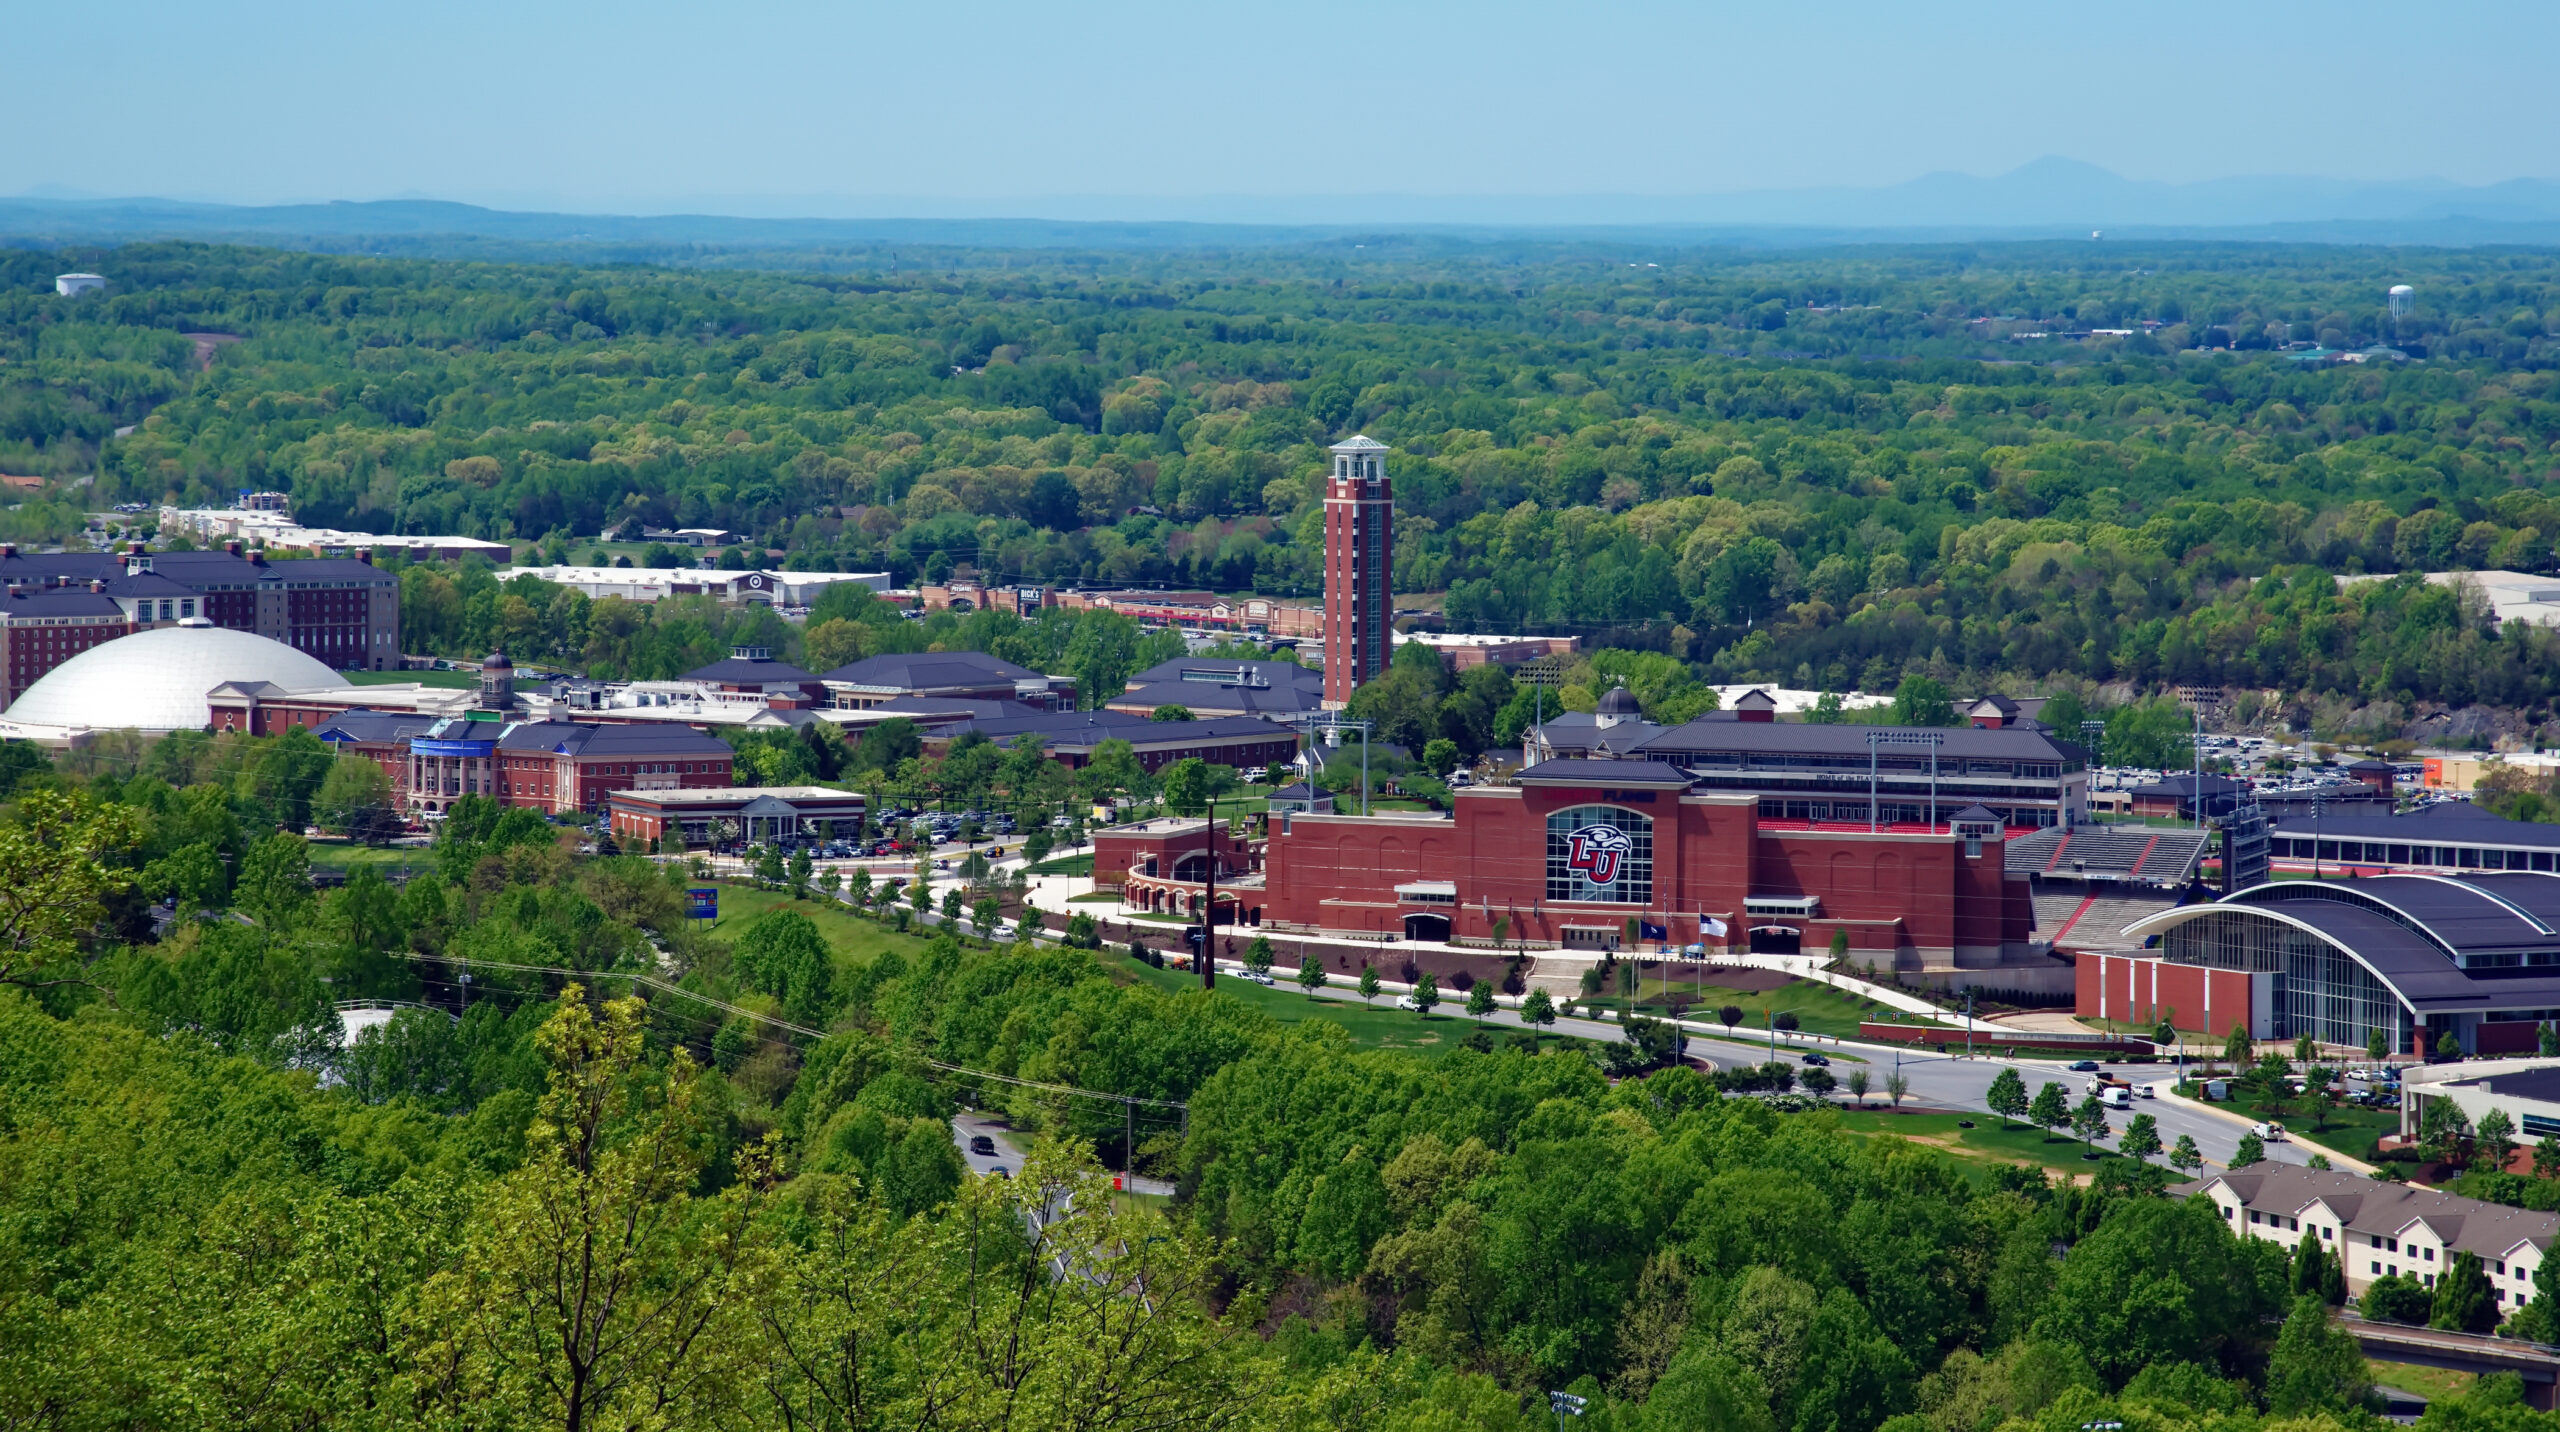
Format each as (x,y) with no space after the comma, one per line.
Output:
(2475,955)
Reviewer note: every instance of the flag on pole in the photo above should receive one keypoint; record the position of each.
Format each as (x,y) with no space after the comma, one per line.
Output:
(1708,924)
(1647,930)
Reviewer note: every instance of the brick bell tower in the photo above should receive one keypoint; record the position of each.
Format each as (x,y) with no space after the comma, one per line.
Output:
(1359,568)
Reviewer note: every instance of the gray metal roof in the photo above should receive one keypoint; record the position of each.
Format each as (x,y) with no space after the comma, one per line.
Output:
(2370,1206)
(930,671)
(1606,773)
(1807,738)
(2451,823)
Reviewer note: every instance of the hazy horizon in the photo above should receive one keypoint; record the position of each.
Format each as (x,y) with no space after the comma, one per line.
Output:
(797,109)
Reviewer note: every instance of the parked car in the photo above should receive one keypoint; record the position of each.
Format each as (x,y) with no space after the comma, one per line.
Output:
(1818,1061)
(2083,1066)
(982,1146)
(2147,1091)
(2270,1132)
(1258,977)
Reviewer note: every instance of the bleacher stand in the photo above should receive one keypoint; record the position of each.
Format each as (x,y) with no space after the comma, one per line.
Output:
(2091,881)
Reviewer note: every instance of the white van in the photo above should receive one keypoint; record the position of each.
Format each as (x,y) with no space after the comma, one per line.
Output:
(2117,1098)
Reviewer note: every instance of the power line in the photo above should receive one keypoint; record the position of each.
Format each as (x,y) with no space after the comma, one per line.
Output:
(801,1029)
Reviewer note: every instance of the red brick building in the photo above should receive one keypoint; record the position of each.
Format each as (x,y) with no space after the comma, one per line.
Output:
(1577,849)
(557,767)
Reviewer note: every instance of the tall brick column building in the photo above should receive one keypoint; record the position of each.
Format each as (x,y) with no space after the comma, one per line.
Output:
(1359,568)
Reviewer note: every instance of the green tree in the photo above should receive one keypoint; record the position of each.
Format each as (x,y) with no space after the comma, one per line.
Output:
(2443,1130)
(984,916)
(2495,1139)
(798,872)
(1439,756)
(355,800)
(784,955)
(2396,1298)
(1186,785)
(594,1288)
(1538,1011)
(2051,1109)
(2007,1096)
(1426,993)
(1859,1082)
(275,881)
(2546,1156)
(2317,1367)
(1311,976)
(2238,1047)
(2089,1119)
(1923,701)
(2156,734)
(954,906)
(1369,985)
(2252,1150)
(2156,1281)
(1171,712)
(1257,955)
(1480,1000)
(2141,1137)
(2464,1301)
(2186,1157)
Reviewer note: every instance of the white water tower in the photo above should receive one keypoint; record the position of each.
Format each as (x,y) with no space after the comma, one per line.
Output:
(72,285)
(2402,295)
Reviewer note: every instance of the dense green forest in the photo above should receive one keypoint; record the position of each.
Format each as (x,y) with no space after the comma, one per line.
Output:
(1828,468)
(535,1200)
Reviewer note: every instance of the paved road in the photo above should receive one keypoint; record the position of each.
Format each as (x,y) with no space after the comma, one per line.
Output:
(1008,1154)
(1948,1081)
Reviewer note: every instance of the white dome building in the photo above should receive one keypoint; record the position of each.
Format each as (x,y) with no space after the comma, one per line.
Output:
(157,680)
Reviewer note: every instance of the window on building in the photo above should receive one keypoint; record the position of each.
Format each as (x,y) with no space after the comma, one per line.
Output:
(1601,854)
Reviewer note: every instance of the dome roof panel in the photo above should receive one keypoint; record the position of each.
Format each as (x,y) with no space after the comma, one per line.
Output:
(157,680)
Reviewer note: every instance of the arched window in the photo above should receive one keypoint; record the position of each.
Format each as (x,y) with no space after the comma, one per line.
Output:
(1600,853)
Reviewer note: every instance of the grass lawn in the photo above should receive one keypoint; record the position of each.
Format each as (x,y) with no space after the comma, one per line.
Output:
(1981,1146)
(1378,1026)
(1818,1008)
(458,680)
(849,935)
(2432,1383)
(1066,865)
(384,859)
(2351,1130)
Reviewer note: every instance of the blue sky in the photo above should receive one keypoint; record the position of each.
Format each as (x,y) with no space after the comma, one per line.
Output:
(993,106)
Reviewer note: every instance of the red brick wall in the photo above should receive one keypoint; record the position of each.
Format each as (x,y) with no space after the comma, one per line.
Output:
(2128,987)
(1887,890)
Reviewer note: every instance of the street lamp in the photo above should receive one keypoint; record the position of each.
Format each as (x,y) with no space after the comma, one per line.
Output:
(1567,1405)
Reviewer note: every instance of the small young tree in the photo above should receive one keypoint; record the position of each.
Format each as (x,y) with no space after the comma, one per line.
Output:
(1257,955)
(1858,1084)
(1368,982)
(2141,1137)
(1839,946)
(953,906)
(2237,1046)
(1481,1001)
(1501,931)
(984,916)
(2051,1109)
(1311,975)
(1897,1087)
(800,869)
(919,895)
(1426,993)
(1730,1015)
(2089,1120)
(2377,1045)
(2548,1037)
(2304,1048)
(1538,1011)
(2008,1096)
(2251,1151)
(2494,1140)
(1818,1082)
(2186,1157)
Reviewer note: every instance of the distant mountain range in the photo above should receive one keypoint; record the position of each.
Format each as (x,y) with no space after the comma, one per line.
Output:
(2050,198)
